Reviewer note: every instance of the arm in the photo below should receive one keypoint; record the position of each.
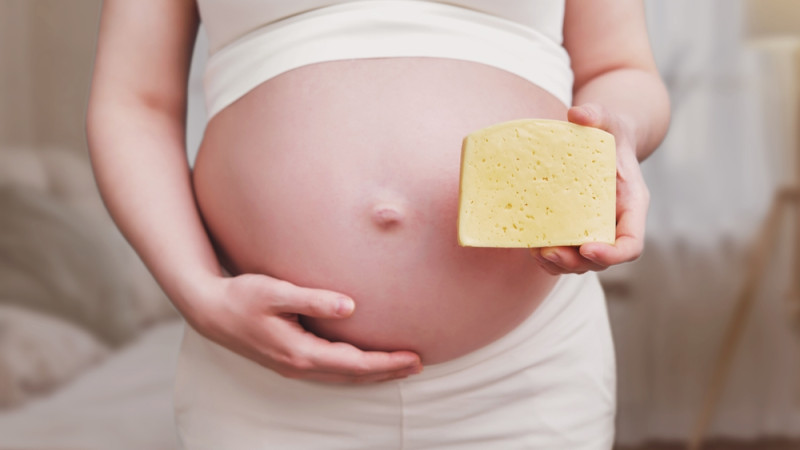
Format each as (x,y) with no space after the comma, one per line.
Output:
(617,88)
(614,67)
(135,127)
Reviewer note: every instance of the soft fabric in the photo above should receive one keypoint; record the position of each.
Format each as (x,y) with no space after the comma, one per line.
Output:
(253,41)
(124,403)
(39,353)
(61,173)
(60,253)
(227,20)
(548,384)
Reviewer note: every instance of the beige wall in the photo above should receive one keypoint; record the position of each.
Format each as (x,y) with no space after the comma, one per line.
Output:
(46,54)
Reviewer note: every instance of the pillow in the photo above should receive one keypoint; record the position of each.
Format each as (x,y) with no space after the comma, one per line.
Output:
(60,172)
(39,352)
(22,169)
(60,253)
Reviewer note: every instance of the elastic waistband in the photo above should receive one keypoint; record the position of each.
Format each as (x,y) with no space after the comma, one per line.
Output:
(384,29)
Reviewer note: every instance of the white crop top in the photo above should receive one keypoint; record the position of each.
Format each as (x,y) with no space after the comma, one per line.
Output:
(251,41)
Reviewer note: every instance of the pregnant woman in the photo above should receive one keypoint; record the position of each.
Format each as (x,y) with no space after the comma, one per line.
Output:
(312,249)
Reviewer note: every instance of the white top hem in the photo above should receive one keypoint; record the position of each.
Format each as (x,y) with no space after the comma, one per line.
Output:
(359,30)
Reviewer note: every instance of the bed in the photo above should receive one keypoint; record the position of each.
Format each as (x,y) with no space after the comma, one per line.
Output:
(87,339)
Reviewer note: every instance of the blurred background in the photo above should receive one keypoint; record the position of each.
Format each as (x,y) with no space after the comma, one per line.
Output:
(88,341)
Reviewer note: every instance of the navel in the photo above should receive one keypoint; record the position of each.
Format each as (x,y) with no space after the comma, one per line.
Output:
(387,215)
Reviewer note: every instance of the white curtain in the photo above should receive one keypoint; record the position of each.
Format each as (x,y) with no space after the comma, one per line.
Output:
(711,182)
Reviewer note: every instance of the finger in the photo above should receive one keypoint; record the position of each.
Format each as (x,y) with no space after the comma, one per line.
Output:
(352,363)
(548,266)
(307,355)
(345,379)
(570,260)
(590,115)
(349,378)
(629,243)
(348,364)
(291,299)
(627,247)
(597,116)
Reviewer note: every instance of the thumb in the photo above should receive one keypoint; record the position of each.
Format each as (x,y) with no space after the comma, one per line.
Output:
(589,114)
(313,302)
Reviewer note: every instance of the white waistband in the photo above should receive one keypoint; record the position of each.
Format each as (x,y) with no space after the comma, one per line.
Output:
(381,29)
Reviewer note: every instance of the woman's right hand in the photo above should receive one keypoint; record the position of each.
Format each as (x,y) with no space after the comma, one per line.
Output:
(257,317)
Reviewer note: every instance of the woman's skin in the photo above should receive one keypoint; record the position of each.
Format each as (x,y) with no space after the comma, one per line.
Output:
(136,124)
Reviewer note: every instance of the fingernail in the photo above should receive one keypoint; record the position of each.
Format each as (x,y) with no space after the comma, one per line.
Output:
(552,257)
(345,306)
(588,254)
(589,111)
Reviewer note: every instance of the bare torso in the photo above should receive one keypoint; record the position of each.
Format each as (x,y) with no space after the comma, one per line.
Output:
(344,176)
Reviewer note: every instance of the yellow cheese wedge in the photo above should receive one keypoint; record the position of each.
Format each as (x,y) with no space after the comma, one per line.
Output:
(537,183)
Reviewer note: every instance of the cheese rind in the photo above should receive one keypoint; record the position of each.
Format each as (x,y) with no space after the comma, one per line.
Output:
(537,183)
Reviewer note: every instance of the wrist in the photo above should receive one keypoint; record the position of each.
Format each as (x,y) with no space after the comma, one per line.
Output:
(196,294)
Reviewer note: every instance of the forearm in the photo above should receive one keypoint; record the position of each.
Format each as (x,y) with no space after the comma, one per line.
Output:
(140,165)
(638,97)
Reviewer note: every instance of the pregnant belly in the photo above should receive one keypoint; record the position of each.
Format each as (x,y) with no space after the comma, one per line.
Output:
(344,176)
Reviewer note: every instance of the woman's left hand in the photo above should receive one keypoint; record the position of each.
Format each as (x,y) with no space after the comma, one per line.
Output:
(633,199)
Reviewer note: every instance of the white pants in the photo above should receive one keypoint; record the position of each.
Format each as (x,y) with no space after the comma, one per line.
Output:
(548,384)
